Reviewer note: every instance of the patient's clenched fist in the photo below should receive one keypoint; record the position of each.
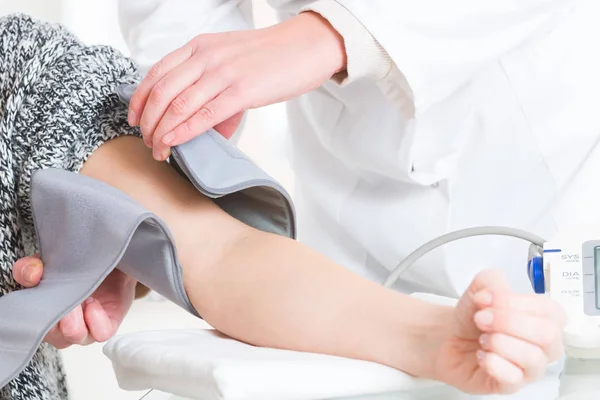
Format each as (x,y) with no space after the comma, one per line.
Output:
(500,340)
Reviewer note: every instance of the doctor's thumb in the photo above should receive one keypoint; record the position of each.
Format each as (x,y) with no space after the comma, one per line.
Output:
(28,271)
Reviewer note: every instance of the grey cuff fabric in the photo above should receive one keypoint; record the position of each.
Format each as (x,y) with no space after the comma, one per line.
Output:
(86,228)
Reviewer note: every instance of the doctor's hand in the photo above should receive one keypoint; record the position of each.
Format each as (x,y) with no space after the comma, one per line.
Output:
(500,340)
(97,319)
(214,78)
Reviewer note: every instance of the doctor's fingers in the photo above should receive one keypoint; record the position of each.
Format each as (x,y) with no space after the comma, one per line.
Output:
(166,95)
(200,107)
(528,357)
(540,331)
(28,271)
(154,75)
(226,105)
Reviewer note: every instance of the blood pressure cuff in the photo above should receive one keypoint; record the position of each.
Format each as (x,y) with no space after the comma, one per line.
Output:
(86,229)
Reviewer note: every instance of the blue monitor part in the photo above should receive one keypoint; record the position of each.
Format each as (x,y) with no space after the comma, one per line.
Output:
(535,270)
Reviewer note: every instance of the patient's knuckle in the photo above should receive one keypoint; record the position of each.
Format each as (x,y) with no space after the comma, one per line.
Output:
(500,321)
(534,363)
(494,342)
(546,336)
(537,356)
(500,300)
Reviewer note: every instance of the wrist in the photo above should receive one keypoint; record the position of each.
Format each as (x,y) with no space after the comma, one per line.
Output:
(426,331)
(366,57)
(324,42)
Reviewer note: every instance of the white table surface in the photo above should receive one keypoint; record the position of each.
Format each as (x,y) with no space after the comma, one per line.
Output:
(570,380)
(582,384)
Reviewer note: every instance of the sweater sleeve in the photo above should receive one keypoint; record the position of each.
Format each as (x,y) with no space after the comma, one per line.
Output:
(58,102)
(424,50)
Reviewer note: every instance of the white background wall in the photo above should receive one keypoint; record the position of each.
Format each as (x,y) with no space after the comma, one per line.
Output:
(95,22)
(45,9)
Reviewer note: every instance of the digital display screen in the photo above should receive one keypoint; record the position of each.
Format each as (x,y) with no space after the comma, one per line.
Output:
(597,275)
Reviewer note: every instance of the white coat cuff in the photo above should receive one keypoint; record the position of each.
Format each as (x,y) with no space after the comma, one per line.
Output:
(366,58)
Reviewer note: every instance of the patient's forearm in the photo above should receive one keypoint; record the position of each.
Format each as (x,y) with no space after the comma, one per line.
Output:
(273,292)
(268,290)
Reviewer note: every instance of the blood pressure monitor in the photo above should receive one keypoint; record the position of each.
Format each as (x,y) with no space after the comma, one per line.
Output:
(568,270)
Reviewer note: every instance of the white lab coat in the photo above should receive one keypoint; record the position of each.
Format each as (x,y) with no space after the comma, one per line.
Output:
(488,112)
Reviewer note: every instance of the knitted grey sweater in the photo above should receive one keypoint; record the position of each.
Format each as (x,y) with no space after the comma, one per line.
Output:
(57,105)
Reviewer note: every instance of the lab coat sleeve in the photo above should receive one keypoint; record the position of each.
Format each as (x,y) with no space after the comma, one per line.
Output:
(422,51)
(365,56)
(154,28)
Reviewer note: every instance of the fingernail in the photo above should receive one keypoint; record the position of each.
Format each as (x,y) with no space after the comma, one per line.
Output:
(132,118)
(89,300)
(484,318)
(168,138)
(480,356)
(483,298)
(30,271)
(484,340)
